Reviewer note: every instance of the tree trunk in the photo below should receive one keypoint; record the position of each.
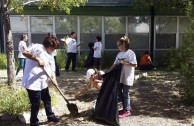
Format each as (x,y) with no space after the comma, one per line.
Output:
(9,47)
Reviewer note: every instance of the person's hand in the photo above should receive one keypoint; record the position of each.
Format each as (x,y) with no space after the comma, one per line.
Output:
(78,44)
(52,82)
(122,62)
(77,95)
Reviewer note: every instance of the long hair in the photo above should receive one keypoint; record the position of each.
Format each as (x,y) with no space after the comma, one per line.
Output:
(125,40)
(23,36)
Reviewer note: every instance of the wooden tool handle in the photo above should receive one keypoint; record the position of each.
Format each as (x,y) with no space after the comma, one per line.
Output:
(54,83)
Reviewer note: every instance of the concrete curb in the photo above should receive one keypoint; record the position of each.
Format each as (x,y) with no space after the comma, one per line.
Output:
(145,74)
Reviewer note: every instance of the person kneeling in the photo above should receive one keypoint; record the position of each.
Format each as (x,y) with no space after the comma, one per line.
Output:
(93,78)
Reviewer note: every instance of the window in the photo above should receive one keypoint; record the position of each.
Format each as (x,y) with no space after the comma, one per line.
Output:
(114,28)
(138,28)
(38,37)
(90,27)
(19,23)
(165,41)
(166,28)
(183,28)
(64,25)
(41,24)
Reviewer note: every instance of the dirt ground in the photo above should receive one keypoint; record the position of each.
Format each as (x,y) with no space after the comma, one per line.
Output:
(156,101)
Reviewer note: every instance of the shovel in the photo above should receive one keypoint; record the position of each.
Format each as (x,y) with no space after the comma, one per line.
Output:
(71,107)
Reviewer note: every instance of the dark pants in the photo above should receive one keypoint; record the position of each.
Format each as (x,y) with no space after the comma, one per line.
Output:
(71,57)
(35,99)
(97,63)
(57,72)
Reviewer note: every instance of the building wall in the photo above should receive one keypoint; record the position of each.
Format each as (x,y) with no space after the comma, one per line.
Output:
(168,30)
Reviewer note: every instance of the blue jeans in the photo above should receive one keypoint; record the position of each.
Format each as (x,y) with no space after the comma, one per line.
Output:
(124,96)
(35,99)
(22,62)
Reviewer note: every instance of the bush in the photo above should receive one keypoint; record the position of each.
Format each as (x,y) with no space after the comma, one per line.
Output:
(61,58)
(15,102)
(3,61)
(182,59)
(81,60)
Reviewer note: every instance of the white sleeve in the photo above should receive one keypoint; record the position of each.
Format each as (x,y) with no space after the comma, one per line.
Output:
(132,58)
(116,60)
(36,49)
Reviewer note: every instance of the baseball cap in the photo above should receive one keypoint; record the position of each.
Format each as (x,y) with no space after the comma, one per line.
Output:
(89,73)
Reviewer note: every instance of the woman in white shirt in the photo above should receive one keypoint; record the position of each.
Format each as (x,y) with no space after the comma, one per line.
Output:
(128,58)
(21,47)
(38,56)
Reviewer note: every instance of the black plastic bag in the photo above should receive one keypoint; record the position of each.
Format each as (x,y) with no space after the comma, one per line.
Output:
(106,108)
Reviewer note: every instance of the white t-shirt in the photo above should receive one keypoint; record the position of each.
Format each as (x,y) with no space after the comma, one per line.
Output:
(54,53)
(34,77)
(98,49)
(71,45)
(127,73)
(20,48)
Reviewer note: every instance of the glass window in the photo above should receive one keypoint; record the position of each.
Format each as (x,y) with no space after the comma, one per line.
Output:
(41,24)
(90,27)
(19,23)
(111,40)
(65,24)
(139,41)
(165,41)
(90,24)
(183,24)
(138,24)
(85,39)
(166,24)
(114,25)
(38,38)
(115,28)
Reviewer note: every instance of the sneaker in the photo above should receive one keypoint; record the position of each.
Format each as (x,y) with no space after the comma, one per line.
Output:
(121,111)
(66,70)
(124,114)
(53,119)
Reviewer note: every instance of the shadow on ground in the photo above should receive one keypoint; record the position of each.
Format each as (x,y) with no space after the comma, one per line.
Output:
(158,95)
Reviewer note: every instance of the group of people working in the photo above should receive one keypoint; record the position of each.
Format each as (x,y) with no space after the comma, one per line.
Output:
(40,57)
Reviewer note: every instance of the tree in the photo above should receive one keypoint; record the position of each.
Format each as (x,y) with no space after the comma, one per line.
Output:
(18,5)
(182,58)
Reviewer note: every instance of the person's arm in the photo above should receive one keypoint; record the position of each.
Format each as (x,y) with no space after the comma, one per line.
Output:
(65,44)
(112,67)
(128,64)
(31,56)
(78,44)
(84,89)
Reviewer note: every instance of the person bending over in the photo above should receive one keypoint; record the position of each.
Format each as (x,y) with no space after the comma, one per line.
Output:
(93,78)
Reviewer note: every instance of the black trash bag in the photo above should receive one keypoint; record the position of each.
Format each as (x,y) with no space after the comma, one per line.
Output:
(106,109)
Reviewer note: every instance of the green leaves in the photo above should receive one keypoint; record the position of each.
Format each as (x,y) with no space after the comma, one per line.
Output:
(60,5)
